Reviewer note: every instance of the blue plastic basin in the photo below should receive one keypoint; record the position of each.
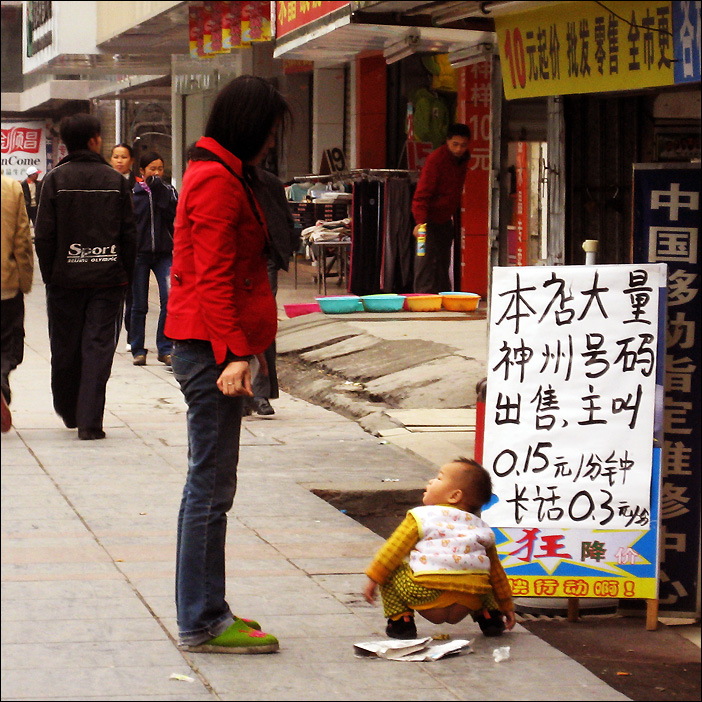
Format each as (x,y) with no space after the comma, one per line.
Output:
(340,304)
(383,303)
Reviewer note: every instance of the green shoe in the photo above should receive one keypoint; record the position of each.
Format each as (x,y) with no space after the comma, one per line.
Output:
(238,638)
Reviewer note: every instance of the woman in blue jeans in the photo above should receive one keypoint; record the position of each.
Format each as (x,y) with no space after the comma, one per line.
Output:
(221,312)
(154,211)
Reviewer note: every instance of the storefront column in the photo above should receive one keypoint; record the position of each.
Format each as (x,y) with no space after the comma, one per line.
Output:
(327,113)
(371,112)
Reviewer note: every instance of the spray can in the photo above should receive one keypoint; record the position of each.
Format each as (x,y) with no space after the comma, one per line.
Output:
(422,240)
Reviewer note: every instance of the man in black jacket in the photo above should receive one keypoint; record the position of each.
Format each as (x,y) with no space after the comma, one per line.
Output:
(85,241)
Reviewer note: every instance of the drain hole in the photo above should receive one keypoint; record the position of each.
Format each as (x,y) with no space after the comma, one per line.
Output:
(381,511)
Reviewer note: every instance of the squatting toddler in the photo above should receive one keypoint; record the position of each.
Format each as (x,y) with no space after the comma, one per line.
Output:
(442,561)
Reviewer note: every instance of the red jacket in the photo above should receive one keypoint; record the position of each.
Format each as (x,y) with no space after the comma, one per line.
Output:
(438,193)
(219,285)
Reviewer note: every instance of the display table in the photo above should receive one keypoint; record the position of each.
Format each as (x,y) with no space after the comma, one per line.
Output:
(332,262)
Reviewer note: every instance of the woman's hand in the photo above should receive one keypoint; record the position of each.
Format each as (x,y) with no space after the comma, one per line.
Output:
(235,380)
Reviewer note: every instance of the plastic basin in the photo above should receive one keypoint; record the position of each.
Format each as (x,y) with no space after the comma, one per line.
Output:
(340,304)
(423,303)
(460,301)
(383,303)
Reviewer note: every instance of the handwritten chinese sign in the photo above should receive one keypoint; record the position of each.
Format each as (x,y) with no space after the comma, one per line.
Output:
(571,395)
(569,424)
(666,229)
(583,47)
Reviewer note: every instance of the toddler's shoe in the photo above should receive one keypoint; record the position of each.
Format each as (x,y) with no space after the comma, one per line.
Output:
(493,625)
(402,628)
(238,638)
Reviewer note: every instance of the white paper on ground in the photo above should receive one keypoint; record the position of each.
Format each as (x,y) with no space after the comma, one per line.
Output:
(436,651)
(410,649)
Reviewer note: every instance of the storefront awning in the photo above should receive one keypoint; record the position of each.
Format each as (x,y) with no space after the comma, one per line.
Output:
(343,34)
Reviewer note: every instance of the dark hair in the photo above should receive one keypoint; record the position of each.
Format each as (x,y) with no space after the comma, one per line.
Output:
(243,115)
(77,130)
(458,129)
(148,157)
(123,145)
(480,481)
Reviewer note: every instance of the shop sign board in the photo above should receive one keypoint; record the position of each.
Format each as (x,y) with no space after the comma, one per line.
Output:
(686,38)
(293,15)
(666,229)
(473,108)
(579,47)
(574,373)
(23,145)
(518,234)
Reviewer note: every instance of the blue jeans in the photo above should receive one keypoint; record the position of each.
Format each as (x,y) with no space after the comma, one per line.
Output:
(214,424)
(160,264)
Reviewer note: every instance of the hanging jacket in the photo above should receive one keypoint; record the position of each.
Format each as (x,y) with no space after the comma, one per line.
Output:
(84,232)
(154,212)
(219,281)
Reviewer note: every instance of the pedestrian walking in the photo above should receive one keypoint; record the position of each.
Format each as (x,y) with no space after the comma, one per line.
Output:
(436,201)
(442,561)
(17,259)
(154,211)
(284,240)
(86,246)
(31,187)
(221,312)
(122,160)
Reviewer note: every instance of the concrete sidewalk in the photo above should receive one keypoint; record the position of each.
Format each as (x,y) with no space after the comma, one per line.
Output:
(88,544)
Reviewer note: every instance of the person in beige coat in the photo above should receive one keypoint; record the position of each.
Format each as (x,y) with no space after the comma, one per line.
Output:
(17,273)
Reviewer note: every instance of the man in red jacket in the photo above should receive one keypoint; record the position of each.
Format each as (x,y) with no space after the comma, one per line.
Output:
(436,200)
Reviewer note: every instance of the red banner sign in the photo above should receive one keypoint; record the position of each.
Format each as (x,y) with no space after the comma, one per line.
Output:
(473,109)
(293,15)
(21,139)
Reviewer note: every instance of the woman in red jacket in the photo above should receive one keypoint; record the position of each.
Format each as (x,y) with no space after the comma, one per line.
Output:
(221,312)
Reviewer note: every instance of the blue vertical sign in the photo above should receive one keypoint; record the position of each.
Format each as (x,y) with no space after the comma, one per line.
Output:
(686,40)
(666,230)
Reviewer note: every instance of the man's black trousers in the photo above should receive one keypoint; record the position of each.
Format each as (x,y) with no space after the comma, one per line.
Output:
(431,271)
(84,325)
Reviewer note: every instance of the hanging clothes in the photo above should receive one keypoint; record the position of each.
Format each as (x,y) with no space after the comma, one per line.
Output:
(366,237)
(397,274)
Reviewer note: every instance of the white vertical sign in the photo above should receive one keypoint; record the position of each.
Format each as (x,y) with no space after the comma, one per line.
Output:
(571,395)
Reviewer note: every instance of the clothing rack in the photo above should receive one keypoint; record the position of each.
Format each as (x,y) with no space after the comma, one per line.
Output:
(321,178)
(382,172)
(355,172)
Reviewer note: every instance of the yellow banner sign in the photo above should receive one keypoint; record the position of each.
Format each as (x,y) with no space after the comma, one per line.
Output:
(586,47)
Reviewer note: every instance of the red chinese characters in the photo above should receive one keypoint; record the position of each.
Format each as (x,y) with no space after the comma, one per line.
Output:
(21,139)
